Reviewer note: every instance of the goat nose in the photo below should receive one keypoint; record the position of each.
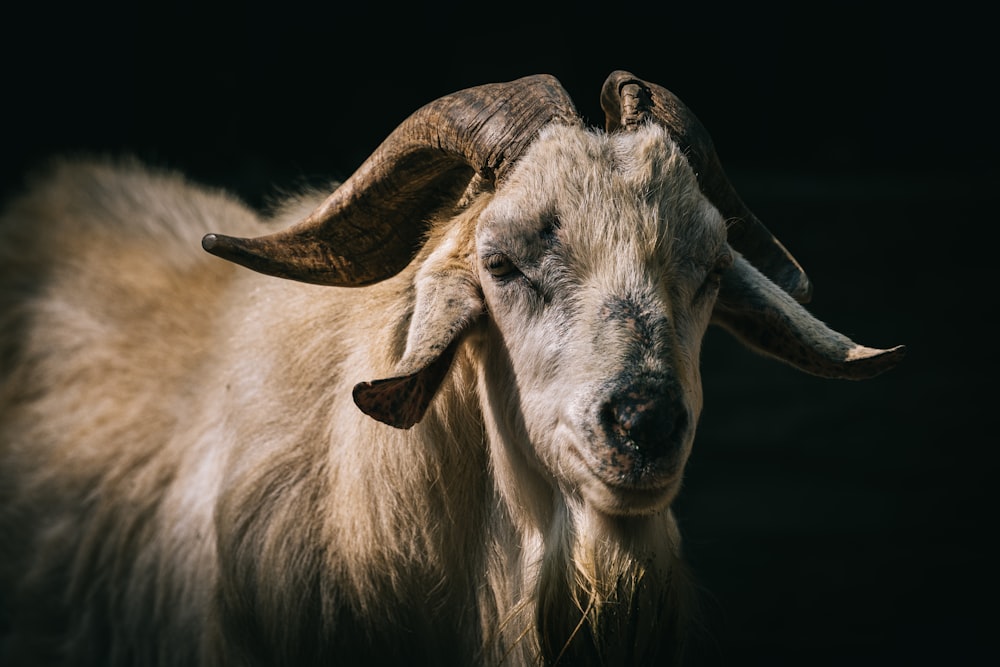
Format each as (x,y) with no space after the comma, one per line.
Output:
(652,422)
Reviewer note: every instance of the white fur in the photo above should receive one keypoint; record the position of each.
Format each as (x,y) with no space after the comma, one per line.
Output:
(184,478)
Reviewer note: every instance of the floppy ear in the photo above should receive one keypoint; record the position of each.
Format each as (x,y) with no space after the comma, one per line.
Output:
(765,318)
(448,301)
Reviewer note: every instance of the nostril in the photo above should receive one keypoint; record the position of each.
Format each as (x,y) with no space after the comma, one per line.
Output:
(654,424)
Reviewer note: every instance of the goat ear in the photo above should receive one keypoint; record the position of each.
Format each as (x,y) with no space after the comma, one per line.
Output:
(447,303)
(765,318)
(402,401)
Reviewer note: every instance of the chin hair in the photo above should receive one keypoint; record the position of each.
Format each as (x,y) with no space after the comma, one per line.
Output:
(613,590)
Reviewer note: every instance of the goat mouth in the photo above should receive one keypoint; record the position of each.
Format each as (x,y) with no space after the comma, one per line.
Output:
(630,496)
(633,470)
(629,482)
(637,436)
(619,476)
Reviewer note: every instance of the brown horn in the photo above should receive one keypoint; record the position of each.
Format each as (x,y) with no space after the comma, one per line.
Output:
(372,225)
(629,101)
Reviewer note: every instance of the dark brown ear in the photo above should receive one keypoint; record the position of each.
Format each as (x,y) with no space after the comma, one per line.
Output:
(767,319)
(402,401)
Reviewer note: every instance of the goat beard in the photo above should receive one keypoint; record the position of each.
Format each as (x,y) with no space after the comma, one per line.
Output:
(609,590)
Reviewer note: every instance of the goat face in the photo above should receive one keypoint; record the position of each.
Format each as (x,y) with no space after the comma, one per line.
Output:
(599,263)
(598,258)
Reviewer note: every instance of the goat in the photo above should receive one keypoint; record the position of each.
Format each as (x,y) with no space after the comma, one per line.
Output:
(197,468)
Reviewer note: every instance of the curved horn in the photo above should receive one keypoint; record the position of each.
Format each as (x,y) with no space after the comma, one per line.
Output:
(372,225)
(629,101)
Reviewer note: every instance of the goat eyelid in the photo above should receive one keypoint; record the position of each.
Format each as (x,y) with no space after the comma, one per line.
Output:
(719,266)
(713,276)
(724,260)
(500,266)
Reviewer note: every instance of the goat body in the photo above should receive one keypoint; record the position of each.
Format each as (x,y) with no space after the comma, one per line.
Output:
(196,467)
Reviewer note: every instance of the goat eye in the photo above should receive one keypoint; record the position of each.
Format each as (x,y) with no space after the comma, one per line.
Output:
(710,286)
(500,266)
(720,267)
(713,279)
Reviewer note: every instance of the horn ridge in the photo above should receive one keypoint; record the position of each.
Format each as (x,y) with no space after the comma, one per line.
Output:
(370,227)
(628,100)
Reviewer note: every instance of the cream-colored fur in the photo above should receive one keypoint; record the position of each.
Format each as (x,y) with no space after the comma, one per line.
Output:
(184,478)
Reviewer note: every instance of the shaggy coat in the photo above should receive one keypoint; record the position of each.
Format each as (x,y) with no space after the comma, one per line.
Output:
(186,477)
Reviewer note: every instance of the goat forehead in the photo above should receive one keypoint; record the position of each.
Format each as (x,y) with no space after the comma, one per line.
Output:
(630,189)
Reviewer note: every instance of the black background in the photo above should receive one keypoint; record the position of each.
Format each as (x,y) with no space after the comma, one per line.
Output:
(829,522)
